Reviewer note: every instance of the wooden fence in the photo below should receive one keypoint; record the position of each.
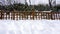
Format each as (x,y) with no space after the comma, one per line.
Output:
(30,15)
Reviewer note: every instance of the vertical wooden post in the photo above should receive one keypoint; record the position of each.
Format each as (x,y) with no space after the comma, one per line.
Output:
(46,15)
(22,16)
(38,16)
(9,15)
(27,15)
(41,15)
(56,16)
(59,15)
(6,15)
(33,15)
(30,15)
(19,16)
(1,15)
(13,15)
(53,15)
(16,15)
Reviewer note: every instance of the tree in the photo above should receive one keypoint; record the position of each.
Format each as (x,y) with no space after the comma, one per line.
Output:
(30,2)
(26,2)
(9,1)
(50,4)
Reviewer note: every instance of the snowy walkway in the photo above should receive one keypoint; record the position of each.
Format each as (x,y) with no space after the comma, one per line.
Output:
(30,27)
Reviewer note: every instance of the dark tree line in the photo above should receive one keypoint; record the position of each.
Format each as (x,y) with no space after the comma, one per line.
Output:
(23,7)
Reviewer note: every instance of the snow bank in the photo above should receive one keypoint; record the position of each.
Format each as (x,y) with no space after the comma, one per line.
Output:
(29,26)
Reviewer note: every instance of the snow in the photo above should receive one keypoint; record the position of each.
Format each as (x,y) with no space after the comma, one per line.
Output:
(29,26)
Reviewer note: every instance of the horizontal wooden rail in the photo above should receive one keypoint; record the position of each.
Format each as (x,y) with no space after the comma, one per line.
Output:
(29,15)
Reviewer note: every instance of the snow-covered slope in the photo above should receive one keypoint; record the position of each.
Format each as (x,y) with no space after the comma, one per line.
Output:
(29,26)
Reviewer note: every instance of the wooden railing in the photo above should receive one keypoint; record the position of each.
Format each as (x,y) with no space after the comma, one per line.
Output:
(30,15)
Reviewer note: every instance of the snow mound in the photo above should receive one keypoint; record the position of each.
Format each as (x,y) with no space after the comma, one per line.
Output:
(29,26)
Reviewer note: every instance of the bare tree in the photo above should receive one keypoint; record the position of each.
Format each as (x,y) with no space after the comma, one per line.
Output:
(1,3)
(25,2)
(9,1)
(30,2)
(54,3)
(50,4)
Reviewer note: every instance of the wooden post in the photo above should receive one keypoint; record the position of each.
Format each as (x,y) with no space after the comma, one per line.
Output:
(9,15)
(16,15)
(13,15)
(30,16)
(1,16)
(22,16)
(38,15)
(6,15)
(46,15)
(19,16)
(41,15)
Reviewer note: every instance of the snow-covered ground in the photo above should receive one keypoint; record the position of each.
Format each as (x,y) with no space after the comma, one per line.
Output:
(29,26)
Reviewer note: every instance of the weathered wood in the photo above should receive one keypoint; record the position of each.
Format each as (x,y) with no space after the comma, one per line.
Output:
(33,15)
